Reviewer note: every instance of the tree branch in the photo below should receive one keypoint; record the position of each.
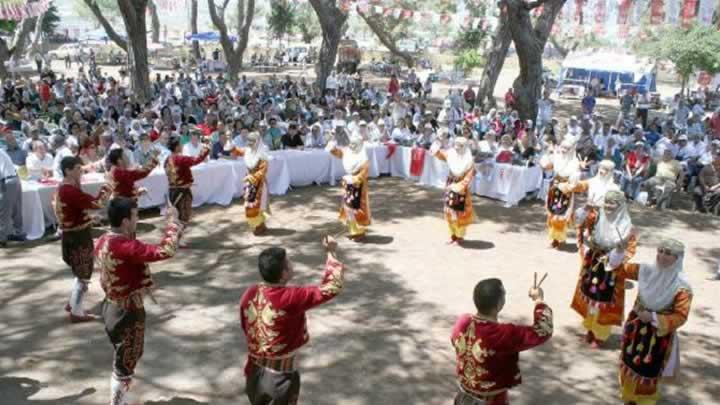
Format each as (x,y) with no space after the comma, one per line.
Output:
(386,39)
(112,34)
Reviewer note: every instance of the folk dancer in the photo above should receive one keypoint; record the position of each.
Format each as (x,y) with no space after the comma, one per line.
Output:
(355,206)
(487,350)
(650,347)
(125,278)
(273,319)
(71,205)
(596,188)
(122,178)
(180,178)
(257,198)
(560,205)
(457,198)
(600,293)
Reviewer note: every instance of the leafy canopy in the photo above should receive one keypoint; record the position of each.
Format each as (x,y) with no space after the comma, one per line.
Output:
(690,50)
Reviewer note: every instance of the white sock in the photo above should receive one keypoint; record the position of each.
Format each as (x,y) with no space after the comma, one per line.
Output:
(76,298)
(119,390)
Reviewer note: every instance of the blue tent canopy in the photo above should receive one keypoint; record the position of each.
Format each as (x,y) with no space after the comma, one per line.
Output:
(209,36)
(616,72)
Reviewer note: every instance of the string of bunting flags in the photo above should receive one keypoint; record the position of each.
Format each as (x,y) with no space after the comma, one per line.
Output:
(16,10)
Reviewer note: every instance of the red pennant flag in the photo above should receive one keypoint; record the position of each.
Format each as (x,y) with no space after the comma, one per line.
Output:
(688,12)
(600,14)
(657,12)
(407,14)
(579,11)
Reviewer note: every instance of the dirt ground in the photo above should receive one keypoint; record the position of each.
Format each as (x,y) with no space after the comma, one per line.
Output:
(384,340)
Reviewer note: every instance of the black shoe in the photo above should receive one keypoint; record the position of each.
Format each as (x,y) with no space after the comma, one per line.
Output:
(3,244)
(17,238)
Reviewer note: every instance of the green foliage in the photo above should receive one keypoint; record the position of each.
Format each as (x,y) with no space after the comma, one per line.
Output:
(468,59)
(306,23)
(51,19)
(690,50)
(281,20)
(109,9)
(8,25)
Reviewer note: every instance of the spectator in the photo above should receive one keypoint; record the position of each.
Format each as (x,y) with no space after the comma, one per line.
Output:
(17,154)
(194,147)
(626,104)
(545,111)
(510,99)
(273,135)
(11,226)
(588,103)
(469,97)
(637,164)
(39,162)
(292,139)
(144,150)
(707,193)
(315,138)
(643,107)
(222,148)
(668,177)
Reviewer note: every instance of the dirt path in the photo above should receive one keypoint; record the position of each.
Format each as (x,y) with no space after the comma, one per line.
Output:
(384,340)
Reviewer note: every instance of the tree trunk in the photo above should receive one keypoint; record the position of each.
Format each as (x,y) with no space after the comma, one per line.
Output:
(529,44)
(194,28)
(4,56)
(155,21)
(494,61)
(387,40)
(20,38)
(37,40)
(17,46)
(233,53)
(133,13)
(332,20)
(109,30)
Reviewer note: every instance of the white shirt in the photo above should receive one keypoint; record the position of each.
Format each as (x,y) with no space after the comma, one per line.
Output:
(545,110)
(331,83)
(664,144)
(190,150)
(59,155)
(35,165)
(7,169)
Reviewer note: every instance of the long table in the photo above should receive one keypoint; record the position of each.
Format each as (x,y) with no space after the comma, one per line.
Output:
(220,181)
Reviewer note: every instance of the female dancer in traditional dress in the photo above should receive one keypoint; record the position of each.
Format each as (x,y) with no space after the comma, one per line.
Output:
(650,350)
(600,293)
(560,205)
(458,195)
(257,200)
(596,189)
(355,207)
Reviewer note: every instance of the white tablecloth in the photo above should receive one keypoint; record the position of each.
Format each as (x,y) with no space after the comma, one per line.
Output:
(507,183)
(218,182)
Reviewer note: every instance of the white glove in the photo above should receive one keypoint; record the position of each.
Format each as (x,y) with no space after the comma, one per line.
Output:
(615,258)
(348,179)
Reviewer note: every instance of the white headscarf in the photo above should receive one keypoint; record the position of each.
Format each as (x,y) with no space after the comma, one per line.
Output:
(256,151)
(354,156)
(565,164)
(599,185)
(612,228)
(459,162)
(658,286)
